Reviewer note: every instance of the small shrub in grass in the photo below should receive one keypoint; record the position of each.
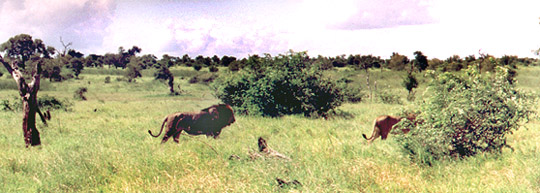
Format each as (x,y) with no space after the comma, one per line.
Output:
(120,79)
(388,98)
(467,114)
(213,68)
(286,84)
(80,92)
(44,102)
(205,78)
(50,102)
(353,95)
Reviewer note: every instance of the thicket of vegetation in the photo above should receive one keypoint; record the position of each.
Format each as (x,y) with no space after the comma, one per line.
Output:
(466,114)
(282,85)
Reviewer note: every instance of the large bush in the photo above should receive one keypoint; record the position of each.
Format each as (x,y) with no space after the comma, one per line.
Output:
(466,114)
(45,102)
(286,84)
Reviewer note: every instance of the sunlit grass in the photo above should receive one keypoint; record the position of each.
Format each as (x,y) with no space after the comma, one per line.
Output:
(102,144)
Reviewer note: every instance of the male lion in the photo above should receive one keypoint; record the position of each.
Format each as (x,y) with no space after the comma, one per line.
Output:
(383,125)
(209,121)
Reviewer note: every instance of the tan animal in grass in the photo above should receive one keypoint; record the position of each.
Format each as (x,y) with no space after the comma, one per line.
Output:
(383,125)
(209,121)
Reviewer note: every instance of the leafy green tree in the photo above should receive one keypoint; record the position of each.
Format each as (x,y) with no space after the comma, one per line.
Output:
(255,63)
(323,62)
(147,61)
(216,60)
(166,60)
(76,65)
(410,83)
(339,61)
(19,50)
(420,61)
(133,70)
(75,61)
(186,60)
(94,60)
(398,62)
(235,66)
(111,59)
(435,64)
(227,60)
(163,73)
(454,63)
(52,69)
(466,114)
(289,85)
(123,57)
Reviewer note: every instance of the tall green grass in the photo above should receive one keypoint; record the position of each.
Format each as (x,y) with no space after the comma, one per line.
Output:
(102,145)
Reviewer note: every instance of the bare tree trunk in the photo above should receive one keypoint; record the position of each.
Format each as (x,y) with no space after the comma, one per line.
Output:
(30,132)
(368,85)
(171,84)
(28,93)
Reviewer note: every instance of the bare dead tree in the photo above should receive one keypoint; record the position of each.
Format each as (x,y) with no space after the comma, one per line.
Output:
(28,93)
(66,46)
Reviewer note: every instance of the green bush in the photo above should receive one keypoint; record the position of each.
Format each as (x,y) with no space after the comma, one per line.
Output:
(388,98)
(205,78)
(286,84)
(44,102)
(353,95)
(50,102)
(466,114)
(80,92)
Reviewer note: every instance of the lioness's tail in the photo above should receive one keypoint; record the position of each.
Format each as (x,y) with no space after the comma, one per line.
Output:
(375,133)
(364,135)
(162,124)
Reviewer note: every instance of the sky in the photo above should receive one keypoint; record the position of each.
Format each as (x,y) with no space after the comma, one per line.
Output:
(437,28)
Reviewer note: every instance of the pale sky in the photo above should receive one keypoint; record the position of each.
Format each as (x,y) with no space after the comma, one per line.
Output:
(438,28)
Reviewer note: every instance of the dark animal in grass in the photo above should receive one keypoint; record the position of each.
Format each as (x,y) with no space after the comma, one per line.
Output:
(383,125)
(209,121)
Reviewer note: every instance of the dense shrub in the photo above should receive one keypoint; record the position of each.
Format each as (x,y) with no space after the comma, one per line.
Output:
(388,98)
(50,102)
(213,68)
(286,84)
(205,78)
(44,102)
(410,83)
(80,92)
(463,115)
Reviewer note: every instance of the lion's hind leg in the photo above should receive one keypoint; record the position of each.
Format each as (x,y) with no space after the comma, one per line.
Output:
(177,135)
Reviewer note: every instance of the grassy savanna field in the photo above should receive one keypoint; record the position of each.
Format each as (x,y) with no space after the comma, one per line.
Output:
(102,145)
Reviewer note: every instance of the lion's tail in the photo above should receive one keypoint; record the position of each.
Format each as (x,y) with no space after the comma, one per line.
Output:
(161,130)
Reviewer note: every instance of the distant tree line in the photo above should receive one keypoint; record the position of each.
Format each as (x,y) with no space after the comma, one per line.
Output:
(69,63)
